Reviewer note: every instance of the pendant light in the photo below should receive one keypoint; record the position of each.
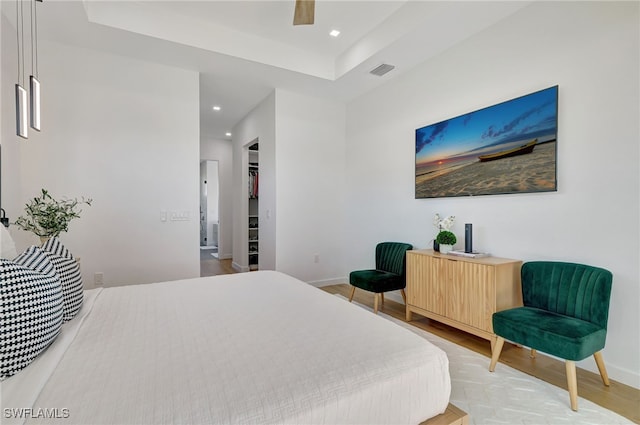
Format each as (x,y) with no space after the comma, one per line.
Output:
(34,83)
(21,93)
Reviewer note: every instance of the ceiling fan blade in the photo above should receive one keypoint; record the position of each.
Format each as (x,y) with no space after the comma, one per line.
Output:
(304,12)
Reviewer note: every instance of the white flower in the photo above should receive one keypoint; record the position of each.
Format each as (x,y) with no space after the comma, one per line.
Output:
(443,224)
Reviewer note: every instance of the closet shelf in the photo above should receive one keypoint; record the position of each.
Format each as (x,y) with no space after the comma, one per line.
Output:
(253,209)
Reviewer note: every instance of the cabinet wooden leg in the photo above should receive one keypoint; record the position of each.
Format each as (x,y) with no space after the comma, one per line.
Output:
(533,353)
(407,315)
(497,349)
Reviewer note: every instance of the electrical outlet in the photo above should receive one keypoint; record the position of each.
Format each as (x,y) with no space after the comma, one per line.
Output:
(98,279)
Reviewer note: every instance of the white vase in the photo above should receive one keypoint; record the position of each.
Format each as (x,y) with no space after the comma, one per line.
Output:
(444,248)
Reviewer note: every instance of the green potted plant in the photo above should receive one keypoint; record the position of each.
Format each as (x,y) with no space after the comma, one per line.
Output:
(442,224)
(48,217)
(446,240)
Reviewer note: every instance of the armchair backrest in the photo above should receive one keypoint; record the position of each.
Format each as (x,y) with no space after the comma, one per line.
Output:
(391,257)
(575,290)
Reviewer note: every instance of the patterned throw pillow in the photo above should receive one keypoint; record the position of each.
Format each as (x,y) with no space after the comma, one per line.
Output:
(31,309)
(69,271)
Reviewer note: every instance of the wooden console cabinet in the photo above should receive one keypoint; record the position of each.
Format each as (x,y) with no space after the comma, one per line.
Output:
(461,292)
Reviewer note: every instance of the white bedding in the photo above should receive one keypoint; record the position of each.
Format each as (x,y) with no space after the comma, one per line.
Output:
(257,347)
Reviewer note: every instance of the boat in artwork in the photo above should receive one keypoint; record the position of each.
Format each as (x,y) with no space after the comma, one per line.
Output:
(521,150)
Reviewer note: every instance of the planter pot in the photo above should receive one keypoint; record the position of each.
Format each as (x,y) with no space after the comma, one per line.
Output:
(445,248)
(44,239)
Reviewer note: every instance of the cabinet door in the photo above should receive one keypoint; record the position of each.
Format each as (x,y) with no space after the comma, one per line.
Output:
(471,294)
(426,284)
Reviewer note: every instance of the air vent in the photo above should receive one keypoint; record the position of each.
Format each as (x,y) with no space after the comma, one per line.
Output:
(381,69)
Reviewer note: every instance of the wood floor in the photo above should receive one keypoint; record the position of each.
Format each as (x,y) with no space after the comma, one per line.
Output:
(620,398)
(211,266)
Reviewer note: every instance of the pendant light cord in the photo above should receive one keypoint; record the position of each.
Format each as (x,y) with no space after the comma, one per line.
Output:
(18,38)
(31,25)
(35,25)
(22,34)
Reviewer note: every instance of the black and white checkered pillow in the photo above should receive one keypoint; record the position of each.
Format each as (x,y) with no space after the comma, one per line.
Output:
(69,271)
(31,309)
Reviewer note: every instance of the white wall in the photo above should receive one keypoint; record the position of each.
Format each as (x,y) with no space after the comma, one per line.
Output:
(258,124)
(310,175)
(10,167)
(124,133)
(222,152)
(302,155)
(591,50)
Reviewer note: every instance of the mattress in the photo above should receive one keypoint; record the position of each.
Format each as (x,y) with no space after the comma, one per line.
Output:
(251,348)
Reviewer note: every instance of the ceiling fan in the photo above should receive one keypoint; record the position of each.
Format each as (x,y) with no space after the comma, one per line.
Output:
(304,12)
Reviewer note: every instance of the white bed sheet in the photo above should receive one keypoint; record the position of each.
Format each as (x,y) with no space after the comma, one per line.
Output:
(258,347)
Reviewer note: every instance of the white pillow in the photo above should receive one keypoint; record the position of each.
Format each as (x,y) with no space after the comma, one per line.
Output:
(7,246)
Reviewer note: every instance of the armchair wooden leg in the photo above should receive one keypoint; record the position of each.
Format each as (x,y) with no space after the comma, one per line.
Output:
(353,291)
(533,353)
(375,303)
(382,298)
(496,353)
(601,368)
(404,296)
(572,383)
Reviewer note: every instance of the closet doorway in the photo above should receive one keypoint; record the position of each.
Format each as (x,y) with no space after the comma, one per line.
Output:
(253,206)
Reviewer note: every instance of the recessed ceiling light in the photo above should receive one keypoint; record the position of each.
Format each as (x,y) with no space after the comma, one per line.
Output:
(217,108)
(334,33)
(227,134)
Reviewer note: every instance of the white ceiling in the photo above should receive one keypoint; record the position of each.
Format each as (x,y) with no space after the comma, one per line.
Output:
(245,49)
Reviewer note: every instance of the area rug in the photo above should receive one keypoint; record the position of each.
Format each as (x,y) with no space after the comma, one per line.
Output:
(507,396)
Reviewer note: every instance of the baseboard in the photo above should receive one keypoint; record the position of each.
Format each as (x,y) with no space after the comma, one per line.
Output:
(394,296)
(237,267)
(618,374)
(327,282)
(225,256)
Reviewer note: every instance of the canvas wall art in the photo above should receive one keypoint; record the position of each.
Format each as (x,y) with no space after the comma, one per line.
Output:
(509,147)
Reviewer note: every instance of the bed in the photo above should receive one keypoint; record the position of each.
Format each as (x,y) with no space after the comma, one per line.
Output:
(260,347)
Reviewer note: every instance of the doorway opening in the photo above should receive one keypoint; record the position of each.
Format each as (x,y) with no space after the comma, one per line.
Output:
(253,206)
(209,207)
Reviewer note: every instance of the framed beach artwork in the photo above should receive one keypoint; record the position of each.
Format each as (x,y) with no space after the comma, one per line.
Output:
(509,147)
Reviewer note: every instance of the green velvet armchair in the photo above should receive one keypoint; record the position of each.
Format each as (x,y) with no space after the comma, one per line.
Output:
(389,274)
(565,313)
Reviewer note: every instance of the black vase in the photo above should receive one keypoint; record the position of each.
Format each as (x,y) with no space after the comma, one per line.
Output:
(436,246)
